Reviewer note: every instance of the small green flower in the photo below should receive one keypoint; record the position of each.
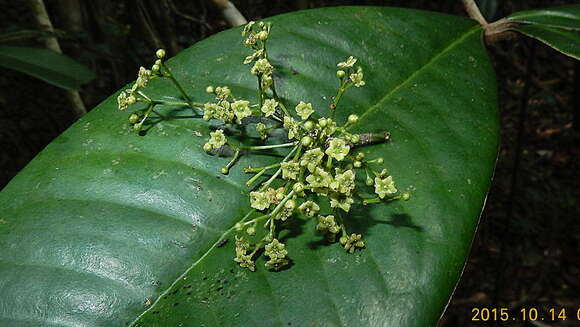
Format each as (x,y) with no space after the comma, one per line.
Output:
(274,196)
(328,126)
(357,78)
(384,186)
(352,242)
(269,107)
(277,253)
(343,183)
(327,224)
(210,110)
(267,81)
(337,201)
(290,170)
(243,259)
(304,110)
(262,130)
(259,200)
(337,149)
(348,63)
(142,78)
(248,28)
(311,159)
(262,67)
(241,109)
(242,245)
(292,127)
(320,179)
(249,59)
(122,102)
(222,92)
(217,140)
(309,208)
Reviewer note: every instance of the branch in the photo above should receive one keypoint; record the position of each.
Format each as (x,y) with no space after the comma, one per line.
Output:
(231,14)
(495,31)
(51,43)
(473,12)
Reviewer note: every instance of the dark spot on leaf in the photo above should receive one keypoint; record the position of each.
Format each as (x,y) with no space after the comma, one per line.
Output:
(187,286)
(175,304)
(205,278)
(188,293)
(222,242)
(220,288)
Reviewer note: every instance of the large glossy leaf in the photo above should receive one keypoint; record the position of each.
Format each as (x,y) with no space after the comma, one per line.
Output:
(567,42)
(107,228)
(566,17)
(47,65)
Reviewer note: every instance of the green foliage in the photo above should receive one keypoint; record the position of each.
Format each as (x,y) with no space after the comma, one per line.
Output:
(123,228)
(47,65)
(557,27)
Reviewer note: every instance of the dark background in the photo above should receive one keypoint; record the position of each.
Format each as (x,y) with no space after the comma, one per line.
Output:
(526,252)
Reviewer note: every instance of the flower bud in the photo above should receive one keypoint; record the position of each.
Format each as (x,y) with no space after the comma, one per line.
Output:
(352,119)
(298,188)
(160,53)
(251,230)
(239,227)
(263,35)
(322,122)
(210,89)
(369,181)
(355,138)
(380,160)
(133,118)
(279,196)
(357,164)
(131,99)
(306,141)
(290,204)
(308,125)
(207,147)
(360,156)
(405,196)
(225,170)
(340,73)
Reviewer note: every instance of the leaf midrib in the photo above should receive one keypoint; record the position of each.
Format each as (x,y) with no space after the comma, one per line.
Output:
(417,72)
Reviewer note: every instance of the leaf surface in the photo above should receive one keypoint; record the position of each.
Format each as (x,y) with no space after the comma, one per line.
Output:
(566,17)
(108,228)
(566,42)
(47,65)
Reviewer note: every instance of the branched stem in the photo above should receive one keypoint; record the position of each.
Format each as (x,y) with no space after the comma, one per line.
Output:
(176,83)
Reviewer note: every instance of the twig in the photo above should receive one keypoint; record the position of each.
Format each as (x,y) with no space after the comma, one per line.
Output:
(51,43)
(231,14)
(493,31)
(473,12)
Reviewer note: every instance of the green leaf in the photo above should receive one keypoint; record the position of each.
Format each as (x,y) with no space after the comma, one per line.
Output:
(566,17)
(47,65)
(566,42)
(106,227)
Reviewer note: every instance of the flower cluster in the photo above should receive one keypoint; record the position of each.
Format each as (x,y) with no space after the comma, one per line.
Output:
(135,94)
(317,178)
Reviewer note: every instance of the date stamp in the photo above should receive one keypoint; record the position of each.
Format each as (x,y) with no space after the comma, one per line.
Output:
(524,314)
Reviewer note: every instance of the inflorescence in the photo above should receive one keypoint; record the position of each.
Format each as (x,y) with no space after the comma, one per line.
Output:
(317,177)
